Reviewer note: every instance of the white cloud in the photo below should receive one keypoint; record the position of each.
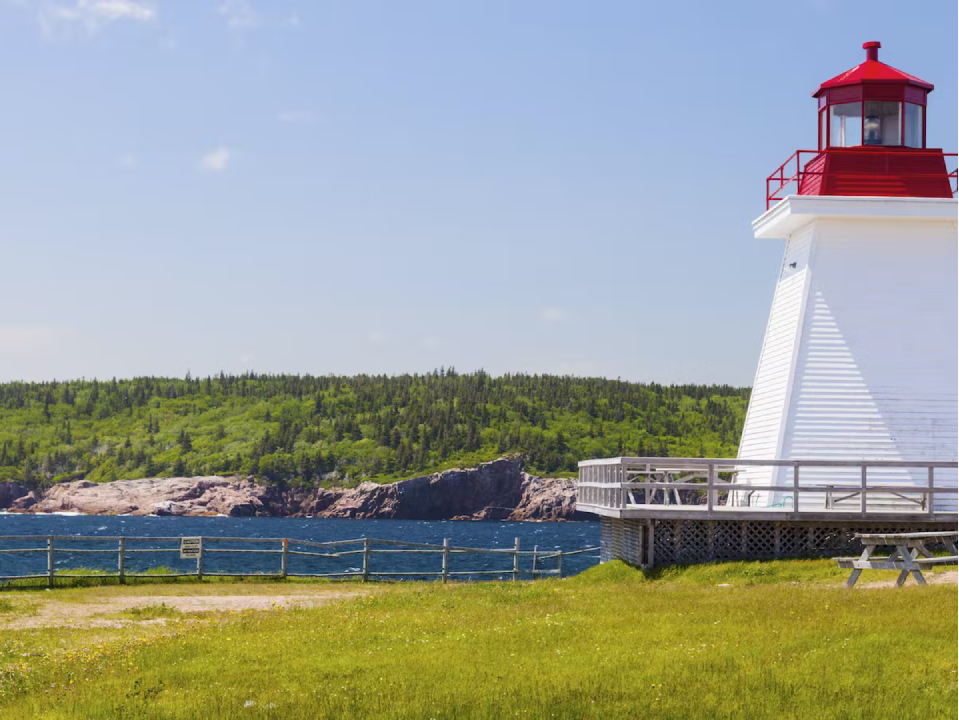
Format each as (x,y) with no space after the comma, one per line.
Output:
(239,14)
(217,160)
(91,15)
(551,314)
(296,117)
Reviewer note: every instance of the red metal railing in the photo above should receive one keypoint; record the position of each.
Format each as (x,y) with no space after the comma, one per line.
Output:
(789,177)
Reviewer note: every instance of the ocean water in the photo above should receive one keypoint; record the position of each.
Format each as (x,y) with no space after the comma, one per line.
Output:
(546,537)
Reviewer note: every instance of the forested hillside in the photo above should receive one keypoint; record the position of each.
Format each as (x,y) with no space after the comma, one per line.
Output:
(292,429)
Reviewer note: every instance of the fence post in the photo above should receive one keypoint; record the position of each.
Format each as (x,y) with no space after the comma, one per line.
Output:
(559,565)
(50,562)
(366,559)
(516,559)
(535,551)
(446,559)
(199,562)
(283,558)
(122,561)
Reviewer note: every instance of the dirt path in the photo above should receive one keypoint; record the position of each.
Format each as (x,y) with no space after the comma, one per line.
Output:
(937,578)
(102,611)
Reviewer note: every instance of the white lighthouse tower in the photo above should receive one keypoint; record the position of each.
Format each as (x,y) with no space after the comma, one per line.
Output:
(859,359)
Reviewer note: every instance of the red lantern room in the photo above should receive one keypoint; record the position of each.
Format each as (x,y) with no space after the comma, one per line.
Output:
(872,139)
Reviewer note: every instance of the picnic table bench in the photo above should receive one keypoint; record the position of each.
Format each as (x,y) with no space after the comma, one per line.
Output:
(905,557)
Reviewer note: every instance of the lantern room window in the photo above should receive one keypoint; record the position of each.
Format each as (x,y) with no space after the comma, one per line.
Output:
(845,124)
(881,122)
(913,125)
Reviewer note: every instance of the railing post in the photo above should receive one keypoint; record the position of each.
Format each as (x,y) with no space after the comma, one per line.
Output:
(366,559)
(516,559)
(862,491)
(446,559)
(122,561)
(796,489)
(199,562)
(623,492)
(284,557)
(535,551)
(559,565)
(931,496)
(710,491)
(50,561)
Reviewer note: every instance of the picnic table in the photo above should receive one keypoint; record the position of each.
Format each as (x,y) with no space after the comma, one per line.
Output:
(908,547)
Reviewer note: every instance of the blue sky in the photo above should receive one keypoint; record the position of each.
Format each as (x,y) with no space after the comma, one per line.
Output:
(384,187)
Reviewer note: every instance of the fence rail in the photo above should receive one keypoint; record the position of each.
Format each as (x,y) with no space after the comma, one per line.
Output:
(864,488)
(204,547)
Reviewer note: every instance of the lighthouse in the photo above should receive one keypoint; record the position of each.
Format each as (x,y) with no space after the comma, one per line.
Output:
(859,359)
(852,421)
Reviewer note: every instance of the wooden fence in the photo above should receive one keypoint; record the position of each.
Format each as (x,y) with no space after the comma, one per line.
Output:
(288,550)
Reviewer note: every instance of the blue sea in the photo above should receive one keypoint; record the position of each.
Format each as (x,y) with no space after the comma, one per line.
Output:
(545,537)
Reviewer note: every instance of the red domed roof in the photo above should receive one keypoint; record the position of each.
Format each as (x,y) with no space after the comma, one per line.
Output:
(872,71)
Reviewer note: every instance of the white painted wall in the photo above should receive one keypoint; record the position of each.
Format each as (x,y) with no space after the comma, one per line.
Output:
(860,358)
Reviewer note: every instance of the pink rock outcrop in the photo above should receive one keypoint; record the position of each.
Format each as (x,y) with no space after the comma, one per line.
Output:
(497,490)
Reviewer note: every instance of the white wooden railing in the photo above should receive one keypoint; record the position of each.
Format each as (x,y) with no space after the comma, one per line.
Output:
(863,487)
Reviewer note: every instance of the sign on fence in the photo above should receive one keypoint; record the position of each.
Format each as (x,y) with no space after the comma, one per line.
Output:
(190,548)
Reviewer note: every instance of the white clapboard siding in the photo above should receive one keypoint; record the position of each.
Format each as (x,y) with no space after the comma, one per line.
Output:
(871,373)
(765,415)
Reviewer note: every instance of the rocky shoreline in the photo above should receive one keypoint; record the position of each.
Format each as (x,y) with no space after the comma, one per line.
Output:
(497,490)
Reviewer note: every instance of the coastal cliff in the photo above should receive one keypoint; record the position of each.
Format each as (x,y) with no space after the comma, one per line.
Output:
(497,490)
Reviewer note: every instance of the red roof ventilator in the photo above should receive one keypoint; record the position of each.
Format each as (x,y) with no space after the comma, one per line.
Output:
(872,140)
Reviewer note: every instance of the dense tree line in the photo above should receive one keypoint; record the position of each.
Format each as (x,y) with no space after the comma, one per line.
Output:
(303,429)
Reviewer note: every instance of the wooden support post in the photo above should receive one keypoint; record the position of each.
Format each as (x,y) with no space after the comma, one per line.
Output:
(516,559)
(50,562)
(122,561)
(535,558)
(199,562)
(651,543)
(559,565)
(862,492)
(446,559)
(284,557)
(366,559)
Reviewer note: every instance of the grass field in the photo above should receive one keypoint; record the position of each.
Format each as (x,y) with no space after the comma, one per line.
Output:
(777,639)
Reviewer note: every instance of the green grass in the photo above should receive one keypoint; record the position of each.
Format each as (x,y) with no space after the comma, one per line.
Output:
(783,640)
(153,612)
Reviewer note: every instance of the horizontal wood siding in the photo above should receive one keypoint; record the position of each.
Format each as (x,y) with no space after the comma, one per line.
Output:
(876,371)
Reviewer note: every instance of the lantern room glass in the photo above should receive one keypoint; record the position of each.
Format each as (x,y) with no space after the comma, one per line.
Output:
(913,125)
(881,123)
(845,124)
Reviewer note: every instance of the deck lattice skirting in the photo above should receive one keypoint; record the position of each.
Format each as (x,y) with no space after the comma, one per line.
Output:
(659,542)
(665,511)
